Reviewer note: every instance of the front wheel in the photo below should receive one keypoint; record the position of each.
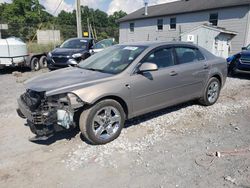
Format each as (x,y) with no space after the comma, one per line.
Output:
(211,93)
(103,122)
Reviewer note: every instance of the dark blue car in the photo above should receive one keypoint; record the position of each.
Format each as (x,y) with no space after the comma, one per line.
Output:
(70,53)
(239,62)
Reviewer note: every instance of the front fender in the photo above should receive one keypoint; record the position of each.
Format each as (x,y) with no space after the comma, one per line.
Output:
(95,93)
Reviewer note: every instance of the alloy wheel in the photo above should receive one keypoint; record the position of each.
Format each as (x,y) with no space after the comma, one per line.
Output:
(106,122)
(213,91)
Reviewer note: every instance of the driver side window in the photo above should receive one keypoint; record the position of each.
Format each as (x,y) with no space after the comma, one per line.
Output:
(162,58)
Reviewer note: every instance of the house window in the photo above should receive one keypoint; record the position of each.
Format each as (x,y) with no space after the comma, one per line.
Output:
(160,24)
(172,23)
(132,27)
(213,19)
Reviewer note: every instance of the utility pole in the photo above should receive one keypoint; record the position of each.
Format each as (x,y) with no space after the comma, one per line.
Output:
(78,19)
(89,29)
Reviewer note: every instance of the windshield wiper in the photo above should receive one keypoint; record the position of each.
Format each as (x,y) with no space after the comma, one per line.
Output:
(92,69)
(96,70)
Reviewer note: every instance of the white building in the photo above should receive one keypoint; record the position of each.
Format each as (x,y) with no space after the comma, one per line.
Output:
(167,22)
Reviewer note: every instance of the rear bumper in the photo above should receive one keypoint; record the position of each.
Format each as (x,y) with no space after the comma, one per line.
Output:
(243,66)
(242,71)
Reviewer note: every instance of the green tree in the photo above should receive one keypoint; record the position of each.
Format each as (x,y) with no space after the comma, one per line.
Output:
(23,17)
(113,19)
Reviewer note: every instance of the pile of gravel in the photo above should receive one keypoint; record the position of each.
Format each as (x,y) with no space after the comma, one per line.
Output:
(157,126)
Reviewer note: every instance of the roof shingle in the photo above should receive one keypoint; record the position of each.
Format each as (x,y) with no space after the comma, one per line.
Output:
(183,6)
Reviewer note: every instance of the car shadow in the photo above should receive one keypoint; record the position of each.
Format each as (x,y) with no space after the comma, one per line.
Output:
(147,117)
(64,135)
(10,70)
(242,76)
(68,135)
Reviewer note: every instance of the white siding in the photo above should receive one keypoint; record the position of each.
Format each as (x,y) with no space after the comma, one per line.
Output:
(248,31)
(234,19)
(206,40)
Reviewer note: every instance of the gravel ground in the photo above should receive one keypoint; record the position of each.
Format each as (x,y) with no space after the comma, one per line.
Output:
(183,146)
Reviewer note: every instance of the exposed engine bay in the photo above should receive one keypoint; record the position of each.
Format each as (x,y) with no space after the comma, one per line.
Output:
(47,115)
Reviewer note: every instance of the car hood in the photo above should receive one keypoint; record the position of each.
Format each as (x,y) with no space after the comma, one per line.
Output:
(246,53)
(65,80)
(66,52)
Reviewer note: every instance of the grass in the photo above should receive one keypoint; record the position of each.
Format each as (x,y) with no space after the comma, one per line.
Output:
(40,48)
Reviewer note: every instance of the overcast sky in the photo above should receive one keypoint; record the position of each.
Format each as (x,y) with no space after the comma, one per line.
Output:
(108,6)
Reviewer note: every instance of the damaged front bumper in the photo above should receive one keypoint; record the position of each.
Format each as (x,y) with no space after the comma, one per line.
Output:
(44,117)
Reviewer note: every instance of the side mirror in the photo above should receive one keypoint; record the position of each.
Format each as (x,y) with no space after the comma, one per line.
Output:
(145,67)
(244,48)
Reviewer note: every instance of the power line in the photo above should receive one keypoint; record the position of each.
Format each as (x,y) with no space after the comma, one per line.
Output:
(58,7)
(40,26)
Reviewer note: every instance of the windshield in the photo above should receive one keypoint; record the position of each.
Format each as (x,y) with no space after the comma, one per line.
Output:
(113,60)
(75,44)
(248,47)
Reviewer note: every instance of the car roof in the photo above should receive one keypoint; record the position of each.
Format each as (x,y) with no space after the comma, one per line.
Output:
(83,38)
(158,43)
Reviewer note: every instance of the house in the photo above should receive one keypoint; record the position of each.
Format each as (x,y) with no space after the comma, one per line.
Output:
(168,22)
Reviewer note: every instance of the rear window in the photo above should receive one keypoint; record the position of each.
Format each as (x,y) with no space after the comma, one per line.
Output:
(188,55)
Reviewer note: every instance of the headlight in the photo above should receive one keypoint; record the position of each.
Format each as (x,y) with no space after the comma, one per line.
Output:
(72,62)
(77,55)
(75,101)
(49,54)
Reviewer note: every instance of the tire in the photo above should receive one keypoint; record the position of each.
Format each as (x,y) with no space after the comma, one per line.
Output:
(34,64)
(43,62)
(95,125)
(212,92)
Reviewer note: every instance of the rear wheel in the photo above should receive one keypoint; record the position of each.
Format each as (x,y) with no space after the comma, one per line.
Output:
(211,93)
(103,122)
(34,64)
(43,62)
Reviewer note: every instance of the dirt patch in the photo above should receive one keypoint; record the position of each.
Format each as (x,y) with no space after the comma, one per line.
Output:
(4,177)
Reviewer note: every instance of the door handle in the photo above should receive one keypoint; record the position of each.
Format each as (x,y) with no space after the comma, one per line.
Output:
(173,73)
(205,66)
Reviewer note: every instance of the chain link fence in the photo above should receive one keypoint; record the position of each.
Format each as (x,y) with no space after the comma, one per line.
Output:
(28,33)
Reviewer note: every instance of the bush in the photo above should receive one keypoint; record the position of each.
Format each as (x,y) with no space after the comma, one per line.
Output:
(40,48)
